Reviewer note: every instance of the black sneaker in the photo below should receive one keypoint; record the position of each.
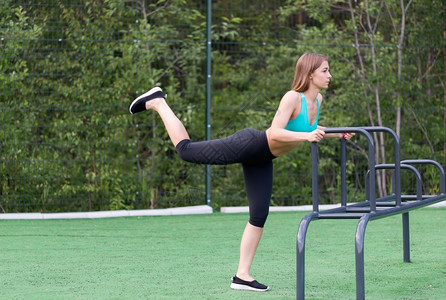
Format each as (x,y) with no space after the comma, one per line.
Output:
(139,104)
(239,284)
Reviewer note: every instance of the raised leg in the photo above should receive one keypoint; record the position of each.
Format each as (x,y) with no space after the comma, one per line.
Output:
(155,100)
(175,128)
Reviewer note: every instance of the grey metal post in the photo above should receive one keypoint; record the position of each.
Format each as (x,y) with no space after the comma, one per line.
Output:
(208,93)
(367,187)
(300,256)
(343,173)
(315,187)
(406,237)
(302,231)
(359,251)
(397,150)
(372,192)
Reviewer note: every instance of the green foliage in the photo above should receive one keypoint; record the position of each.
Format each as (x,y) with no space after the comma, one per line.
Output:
(69,70)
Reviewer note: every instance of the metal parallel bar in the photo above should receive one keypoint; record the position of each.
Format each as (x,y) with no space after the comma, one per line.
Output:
(360,233)
(371,157)
(385,199)
(335,210)
(367,189)
(351,212)
(300,289)
(359,204)
(315,179)
(343,209)
(405,216)
(343,173)
(408,207)
(341,215)
(363,209)
(432,162)
(406,237)
(370,209)
(393,182)
(397,149)
(367,185)
(409,167)
(300,255)
(386,203)
(382,208)
(410,197)
(359,256)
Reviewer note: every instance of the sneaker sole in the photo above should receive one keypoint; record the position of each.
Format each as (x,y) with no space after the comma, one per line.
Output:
(243,287)
(152,91)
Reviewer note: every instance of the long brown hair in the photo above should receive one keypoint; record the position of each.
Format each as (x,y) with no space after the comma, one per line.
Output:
(306,64)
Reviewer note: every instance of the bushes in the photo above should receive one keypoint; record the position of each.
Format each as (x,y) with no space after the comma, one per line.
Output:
(69,71)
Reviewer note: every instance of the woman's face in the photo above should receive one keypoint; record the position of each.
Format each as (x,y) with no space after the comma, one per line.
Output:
(320,78)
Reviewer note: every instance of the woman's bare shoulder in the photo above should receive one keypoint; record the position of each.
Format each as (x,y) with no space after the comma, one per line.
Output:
(292,96)
(290,105)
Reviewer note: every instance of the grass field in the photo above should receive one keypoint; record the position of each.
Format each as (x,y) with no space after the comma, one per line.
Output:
(193,257)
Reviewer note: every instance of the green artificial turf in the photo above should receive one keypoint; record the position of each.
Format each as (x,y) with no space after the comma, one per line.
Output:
(194,257)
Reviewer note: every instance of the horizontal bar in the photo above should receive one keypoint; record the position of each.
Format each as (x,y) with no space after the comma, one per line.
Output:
(389,203)
(341,215)
(356,211)
(363,209)
(407,206)
(410,197)
(432,162)
(386,198)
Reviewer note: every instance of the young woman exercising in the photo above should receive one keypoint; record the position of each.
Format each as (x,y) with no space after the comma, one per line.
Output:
(295,122)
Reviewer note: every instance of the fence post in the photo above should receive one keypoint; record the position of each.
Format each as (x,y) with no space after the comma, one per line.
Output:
(208,93)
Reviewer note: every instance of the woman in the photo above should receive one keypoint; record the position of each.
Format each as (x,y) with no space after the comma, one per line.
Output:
(295,122)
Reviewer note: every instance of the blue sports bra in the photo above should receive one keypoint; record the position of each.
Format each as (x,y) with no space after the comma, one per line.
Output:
(301,122)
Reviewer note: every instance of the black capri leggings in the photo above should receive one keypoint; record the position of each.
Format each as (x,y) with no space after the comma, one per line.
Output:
(248,147)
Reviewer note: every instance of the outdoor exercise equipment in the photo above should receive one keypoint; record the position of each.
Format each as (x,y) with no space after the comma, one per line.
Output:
(372,208)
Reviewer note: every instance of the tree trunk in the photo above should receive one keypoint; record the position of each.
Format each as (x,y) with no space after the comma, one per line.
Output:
(380,155)
(379,143)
